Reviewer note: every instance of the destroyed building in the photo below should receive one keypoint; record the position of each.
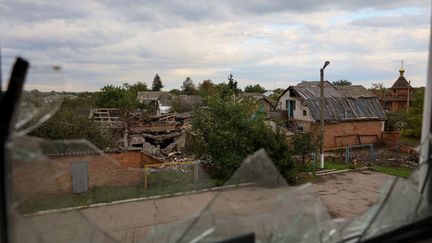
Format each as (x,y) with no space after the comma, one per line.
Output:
(157,133)
(352,114)
(107,117)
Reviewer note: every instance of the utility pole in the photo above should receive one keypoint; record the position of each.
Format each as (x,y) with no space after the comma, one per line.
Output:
(322,114)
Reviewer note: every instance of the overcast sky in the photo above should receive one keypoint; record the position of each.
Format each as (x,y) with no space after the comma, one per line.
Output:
(273,43)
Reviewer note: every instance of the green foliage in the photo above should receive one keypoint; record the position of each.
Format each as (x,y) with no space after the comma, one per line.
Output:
(134,88)
(254,89)
(409,122)
(276,93)
(157,83)
(342,82)
(232,84)
(122,97)
(188,87)
(336,166)
(224,91)
(71,122)
(228,131)
(379,89)
(132,93)
(395,171)
(417,104)
(107,194)
(304,144)
(175,92)
(116,97)
(207,88)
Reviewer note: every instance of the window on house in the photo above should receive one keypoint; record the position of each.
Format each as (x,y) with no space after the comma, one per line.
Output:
(304,112)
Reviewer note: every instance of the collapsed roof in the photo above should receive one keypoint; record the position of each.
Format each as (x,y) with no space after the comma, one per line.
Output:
(341,103)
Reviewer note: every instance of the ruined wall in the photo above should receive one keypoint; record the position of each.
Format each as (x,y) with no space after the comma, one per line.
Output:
(53,174)
(349,133)
(301,111)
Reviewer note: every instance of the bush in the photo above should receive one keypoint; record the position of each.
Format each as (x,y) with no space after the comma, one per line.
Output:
(228,131)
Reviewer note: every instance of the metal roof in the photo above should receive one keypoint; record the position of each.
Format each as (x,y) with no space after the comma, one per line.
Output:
(356,91)
(344,104)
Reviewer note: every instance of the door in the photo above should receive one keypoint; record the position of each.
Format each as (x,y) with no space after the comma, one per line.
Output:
(290,105)
(79,176)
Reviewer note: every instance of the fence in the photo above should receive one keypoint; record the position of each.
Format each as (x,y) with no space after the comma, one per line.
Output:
(366,153)
(173,172)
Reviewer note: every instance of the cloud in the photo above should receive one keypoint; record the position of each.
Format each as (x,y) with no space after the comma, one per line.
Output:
(266,42)
(405,20)
(23,11)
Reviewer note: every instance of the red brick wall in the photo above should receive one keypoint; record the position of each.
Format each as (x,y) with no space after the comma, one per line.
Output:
(52,175)
(348,133)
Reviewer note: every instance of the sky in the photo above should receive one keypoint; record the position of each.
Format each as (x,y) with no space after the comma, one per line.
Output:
(274,43)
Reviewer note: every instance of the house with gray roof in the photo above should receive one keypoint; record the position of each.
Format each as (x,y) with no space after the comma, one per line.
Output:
(352,114)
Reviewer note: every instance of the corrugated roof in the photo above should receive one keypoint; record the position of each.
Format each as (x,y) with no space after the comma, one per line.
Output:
(307,92)
(259,96)
(149,95)
(354,104)
(313,83)
(356,91)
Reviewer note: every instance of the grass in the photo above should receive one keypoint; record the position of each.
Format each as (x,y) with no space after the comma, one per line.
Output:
(390,170)
(305,174)
(410,141)
(337,166)
(394,171)
(168,183)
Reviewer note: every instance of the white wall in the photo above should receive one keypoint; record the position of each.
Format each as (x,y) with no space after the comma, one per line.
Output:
(299,107)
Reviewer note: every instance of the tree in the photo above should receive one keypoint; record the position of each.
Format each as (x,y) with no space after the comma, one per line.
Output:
(188,87)
(254,89)
(122,97)
(206,88)
(303,145)
(157,83)
(232,84)
(276,93)
(71,122)
(132,93)
(342,82)
(175,92)
(228,131)
(116,97)
(413,117)
(139,86)
(223,90)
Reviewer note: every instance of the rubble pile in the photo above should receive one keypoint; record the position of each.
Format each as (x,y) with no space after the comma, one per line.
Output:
(161,136)
(402,156)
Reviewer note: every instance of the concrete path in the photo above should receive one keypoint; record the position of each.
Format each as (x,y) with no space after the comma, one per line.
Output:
(349,194)
(249,208)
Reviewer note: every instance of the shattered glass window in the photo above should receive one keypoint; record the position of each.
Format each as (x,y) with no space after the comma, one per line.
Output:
(192,121)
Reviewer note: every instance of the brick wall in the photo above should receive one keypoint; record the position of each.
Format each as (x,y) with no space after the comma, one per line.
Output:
(52,175)
(348,133)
